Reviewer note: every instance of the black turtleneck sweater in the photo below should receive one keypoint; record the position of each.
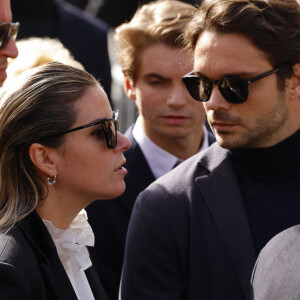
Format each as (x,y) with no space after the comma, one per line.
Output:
(270,185)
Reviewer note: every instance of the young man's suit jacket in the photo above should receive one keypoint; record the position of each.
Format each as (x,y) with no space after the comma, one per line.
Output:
(189,236)
(109,219)
(30,268)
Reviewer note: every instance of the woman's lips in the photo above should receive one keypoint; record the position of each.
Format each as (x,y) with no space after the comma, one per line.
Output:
(121,168)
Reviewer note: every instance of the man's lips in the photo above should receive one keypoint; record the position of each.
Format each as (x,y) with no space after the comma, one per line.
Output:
(222,126)
(3,76)
(3,66)
(175,119)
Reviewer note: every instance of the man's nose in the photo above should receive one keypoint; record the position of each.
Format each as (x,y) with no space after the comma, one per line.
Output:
(178,96)
(216,101)
(10,50)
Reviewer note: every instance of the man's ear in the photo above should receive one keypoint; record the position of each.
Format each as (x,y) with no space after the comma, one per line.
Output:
(129,88)
(41,157)
(295,80)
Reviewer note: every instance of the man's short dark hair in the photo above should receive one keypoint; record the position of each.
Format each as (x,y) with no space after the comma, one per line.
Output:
(273,26)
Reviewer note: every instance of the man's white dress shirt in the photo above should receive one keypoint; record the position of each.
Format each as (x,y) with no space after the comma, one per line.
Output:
(159,160)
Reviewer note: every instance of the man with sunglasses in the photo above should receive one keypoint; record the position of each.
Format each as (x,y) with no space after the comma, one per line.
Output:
(8,33)
(196,232)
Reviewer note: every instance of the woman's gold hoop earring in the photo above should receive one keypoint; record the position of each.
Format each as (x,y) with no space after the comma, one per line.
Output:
(51,180)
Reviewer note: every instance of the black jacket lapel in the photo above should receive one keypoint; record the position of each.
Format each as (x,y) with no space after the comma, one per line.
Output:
(94,279)
(56,279)
(140,175)
(226,206)
(95,284)
(58,283)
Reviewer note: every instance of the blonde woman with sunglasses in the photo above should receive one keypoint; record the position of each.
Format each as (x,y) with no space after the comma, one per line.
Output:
(60,149)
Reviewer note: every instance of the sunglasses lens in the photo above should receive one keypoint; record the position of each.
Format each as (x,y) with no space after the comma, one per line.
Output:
(111,128)
(205,88)
(5,30)
(199,88)
(234,90)
(191,84)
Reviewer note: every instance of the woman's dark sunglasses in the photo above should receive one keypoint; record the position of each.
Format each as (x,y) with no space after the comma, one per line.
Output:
(7,31)
(234,90)
(110,128)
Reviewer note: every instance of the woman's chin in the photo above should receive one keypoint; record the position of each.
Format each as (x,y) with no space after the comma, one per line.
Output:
(115,192)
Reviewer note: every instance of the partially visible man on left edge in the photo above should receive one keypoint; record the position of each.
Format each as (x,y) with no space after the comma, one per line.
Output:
(8,33)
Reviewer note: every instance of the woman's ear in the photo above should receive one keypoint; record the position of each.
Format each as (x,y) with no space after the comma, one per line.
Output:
(41,157)
(129,88)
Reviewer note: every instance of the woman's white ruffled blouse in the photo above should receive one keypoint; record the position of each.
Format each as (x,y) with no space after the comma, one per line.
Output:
(73,253)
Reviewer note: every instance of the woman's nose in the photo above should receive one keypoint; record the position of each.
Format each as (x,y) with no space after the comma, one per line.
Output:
(123,142)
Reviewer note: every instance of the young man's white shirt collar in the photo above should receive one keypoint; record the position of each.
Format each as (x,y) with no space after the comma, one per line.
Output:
(159,160)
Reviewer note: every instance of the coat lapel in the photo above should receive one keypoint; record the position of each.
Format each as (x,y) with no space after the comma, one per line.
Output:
(227,209)
(95,284)
(94,279)
(56,279)
(58,283)
(139,177)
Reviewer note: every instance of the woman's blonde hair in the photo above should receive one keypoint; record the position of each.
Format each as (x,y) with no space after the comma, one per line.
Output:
(36,51)
(37,105)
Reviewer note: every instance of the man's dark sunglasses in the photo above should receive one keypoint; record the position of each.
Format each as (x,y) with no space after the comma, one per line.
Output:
(110,128)
(7,31)
(234,90)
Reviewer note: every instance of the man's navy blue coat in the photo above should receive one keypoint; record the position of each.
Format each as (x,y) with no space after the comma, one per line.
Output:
(189,236)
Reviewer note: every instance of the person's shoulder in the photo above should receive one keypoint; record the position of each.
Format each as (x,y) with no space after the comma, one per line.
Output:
(200,164)
(281,252)
(284,243)
(12,246)
(179,184)
(20,270)
(276,272)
